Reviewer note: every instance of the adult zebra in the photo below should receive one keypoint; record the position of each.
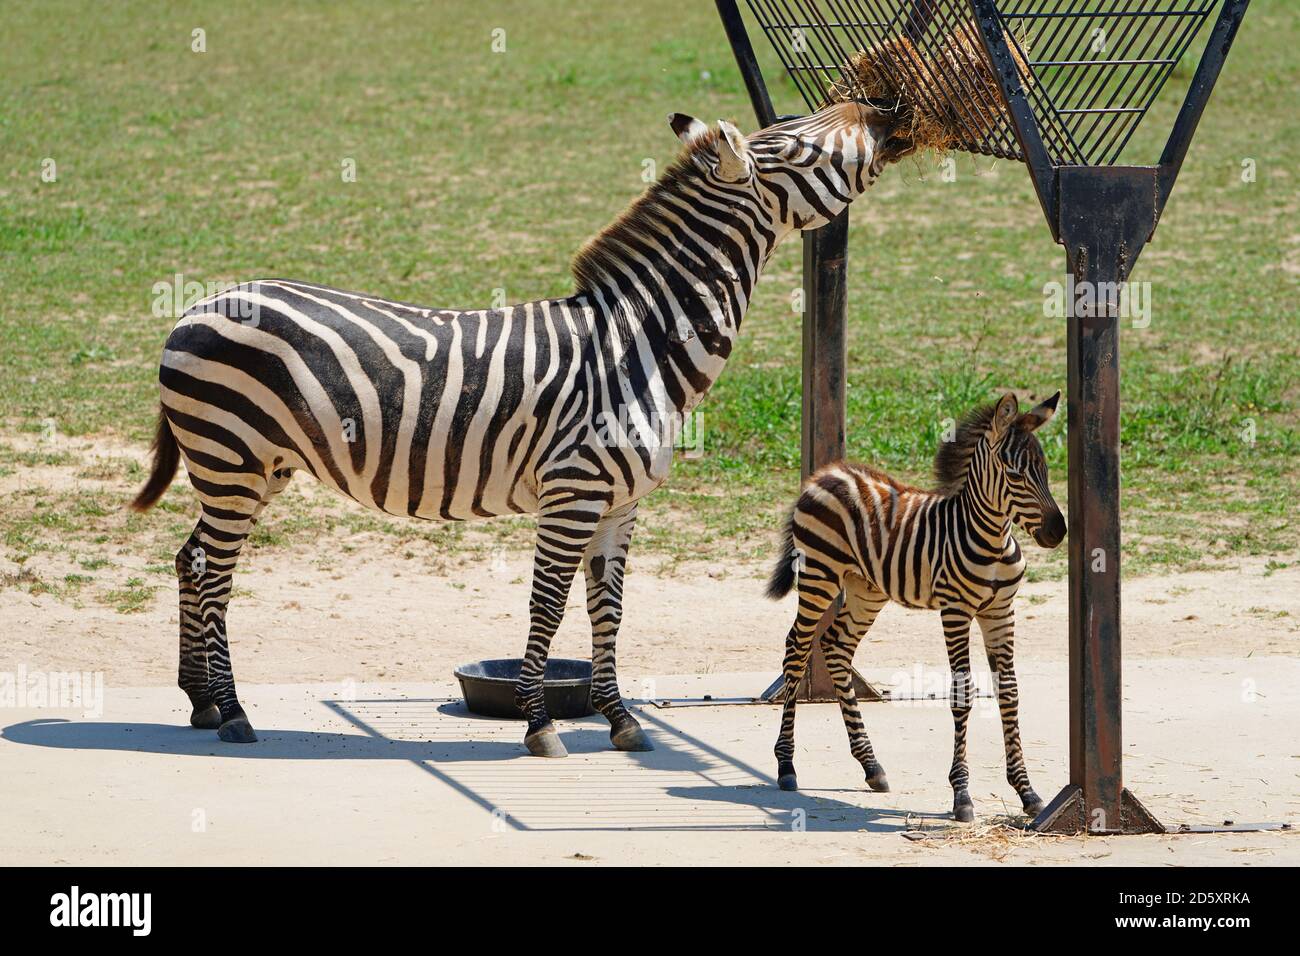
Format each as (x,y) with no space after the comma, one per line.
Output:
(857,532)
(562,407)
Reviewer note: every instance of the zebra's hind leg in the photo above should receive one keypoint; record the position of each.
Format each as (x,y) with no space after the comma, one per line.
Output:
(191,564)
(855,617)
(998,627)
(565,527)
(956,634)
(220,536)
(815,595)
(604,562)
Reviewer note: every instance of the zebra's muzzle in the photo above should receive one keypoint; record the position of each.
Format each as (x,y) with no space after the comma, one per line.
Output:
(1052,532)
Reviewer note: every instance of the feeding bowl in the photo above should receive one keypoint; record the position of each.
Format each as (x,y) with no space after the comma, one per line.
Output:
(489,687)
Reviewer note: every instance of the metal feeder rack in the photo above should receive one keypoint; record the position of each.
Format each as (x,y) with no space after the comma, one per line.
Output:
(1075,80)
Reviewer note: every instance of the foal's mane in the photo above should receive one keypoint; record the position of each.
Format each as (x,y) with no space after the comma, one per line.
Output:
(604,252)
(952,460)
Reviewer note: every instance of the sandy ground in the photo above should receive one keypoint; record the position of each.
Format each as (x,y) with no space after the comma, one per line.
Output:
(378,617)
(399,773)
(351,658)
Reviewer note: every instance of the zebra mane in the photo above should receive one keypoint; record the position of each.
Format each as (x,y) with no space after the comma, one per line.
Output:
(604,252)
(952,460)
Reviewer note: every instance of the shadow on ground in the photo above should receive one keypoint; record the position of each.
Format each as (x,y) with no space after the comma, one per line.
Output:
(685,784)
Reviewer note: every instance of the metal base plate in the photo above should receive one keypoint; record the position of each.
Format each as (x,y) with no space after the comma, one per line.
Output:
(1067,814)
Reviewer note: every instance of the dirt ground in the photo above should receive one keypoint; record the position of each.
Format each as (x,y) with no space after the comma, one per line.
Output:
(345,605)
(344,647)
(377,616)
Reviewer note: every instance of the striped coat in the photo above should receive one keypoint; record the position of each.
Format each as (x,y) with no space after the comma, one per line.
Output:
(564,408)
(858,539)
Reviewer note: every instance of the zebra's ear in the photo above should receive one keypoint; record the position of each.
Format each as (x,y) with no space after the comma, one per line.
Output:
(733,154)
(1005,412)
(687,128)
(1040,414)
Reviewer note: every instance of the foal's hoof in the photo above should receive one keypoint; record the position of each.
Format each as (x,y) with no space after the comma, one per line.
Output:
(963,811)
(785,776)
(237,730)
(545,742)
(876,780)
(631,737)
(1033,803)
(206,718)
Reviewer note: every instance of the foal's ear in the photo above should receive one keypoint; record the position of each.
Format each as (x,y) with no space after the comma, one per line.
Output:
(1006,412)
(687,128)
(1040,414)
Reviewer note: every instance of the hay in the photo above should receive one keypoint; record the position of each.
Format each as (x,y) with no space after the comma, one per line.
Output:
(946,95)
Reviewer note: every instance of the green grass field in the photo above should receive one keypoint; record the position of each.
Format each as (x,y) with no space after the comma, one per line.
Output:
(478,170)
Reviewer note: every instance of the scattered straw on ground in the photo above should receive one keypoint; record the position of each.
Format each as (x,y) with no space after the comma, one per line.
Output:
(996,839)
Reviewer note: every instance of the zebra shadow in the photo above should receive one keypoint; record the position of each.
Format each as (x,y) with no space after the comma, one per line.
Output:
(272,744)
(808,811)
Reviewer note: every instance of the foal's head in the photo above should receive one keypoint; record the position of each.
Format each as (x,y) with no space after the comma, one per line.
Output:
(997,456)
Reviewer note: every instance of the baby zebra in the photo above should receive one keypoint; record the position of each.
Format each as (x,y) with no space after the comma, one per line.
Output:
(859,533)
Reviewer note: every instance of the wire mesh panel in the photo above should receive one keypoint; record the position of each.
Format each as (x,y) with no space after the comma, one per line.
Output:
(1090,69)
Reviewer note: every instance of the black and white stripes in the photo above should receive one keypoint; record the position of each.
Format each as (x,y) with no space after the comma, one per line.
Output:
(563,408)
(859,534)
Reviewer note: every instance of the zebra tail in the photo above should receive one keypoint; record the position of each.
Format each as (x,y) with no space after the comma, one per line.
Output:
(783,576)
(166,456)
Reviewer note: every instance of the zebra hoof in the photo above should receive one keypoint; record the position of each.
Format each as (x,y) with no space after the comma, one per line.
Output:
(237,730)
(206,718)
(878,782)
(545,742)
(631,737)
(963,811)
(1033,803)
(785,776)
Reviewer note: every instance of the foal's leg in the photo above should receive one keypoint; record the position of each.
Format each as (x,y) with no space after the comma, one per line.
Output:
(956,634)
(604,562)
(564,528)
(855,617)
(815,595)
(998,626)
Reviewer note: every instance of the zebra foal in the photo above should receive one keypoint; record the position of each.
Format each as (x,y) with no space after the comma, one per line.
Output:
(859,533)
(563,408)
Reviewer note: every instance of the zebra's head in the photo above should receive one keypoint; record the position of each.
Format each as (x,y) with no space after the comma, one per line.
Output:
(803,172)
(1019,466)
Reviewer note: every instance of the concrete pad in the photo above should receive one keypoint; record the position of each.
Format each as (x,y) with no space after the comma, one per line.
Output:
(403,774)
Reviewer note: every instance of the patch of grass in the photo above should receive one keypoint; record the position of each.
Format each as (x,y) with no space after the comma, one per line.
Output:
(488,170)
(133,597)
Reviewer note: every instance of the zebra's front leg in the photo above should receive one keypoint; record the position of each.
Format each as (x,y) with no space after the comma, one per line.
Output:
(956,634)
(604,562)
(998,626)
(563,533)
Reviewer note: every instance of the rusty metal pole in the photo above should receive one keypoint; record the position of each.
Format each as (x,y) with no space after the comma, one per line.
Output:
(1107,213)
(825,254)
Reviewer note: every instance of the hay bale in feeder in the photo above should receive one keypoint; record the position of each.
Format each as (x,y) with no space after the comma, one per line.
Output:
(945,94)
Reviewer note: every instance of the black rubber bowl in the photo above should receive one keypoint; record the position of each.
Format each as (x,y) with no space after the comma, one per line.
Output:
(489,687)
